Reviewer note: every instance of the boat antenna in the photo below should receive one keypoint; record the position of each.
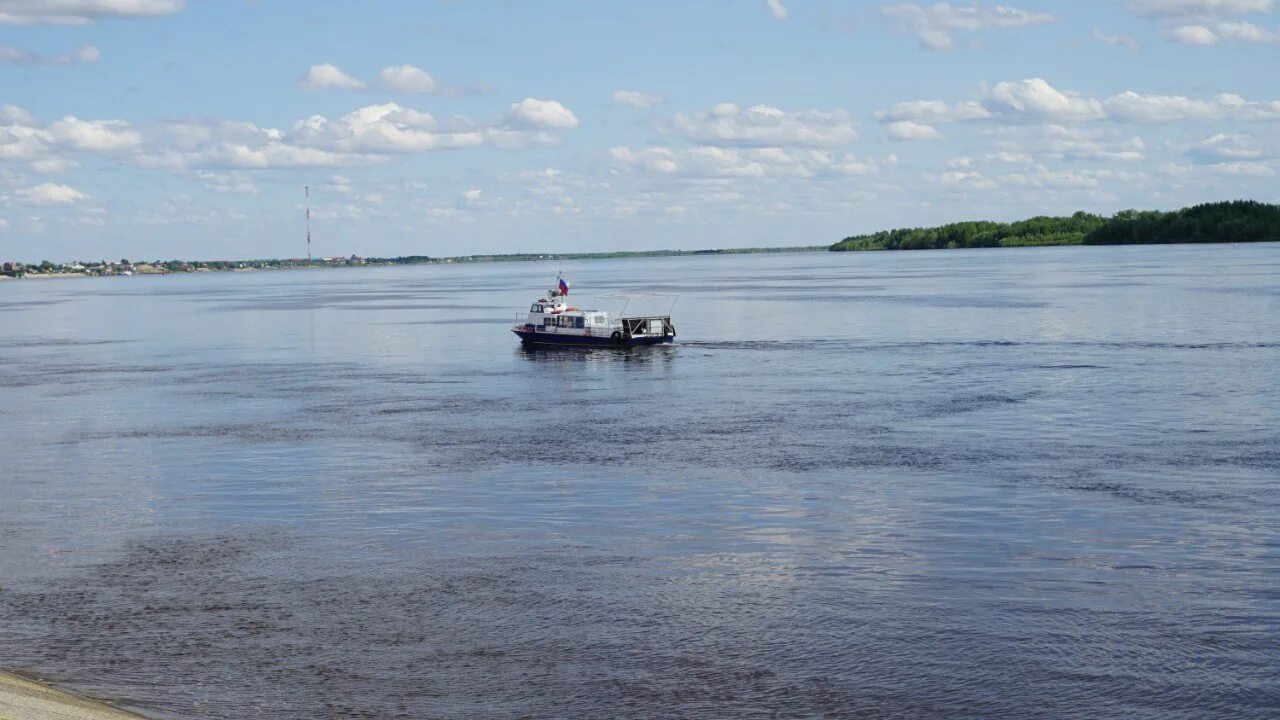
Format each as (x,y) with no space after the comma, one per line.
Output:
(306,189)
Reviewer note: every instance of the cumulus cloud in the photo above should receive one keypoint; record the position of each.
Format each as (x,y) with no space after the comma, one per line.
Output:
(366,135)
(1224,147)
(1133,107)
(1194,35)
(81,12)
(935,25)
(228,183)
(14,115)
(534,113)
(1075,143)
(46,194)
(636,99)
(764,126)
(960,180)
(908,130)
(1119,39)
(407,79)
(1036,98)
(1203,8)
(1042,177)
(777,8)
(1252,169)
(328,77)
(16,56)
(386,128)
(1239,31)
(718,162)
(933,111)
(95,135)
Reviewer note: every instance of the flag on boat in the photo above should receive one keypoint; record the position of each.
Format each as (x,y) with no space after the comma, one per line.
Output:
(564,286)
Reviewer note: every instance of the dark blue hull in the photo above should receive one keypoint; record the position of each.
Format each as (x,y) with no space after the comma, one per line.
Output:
(537,338)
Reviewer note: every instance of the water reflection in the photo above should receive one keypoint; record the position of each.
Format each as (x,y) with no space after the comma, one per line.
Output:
(661,355)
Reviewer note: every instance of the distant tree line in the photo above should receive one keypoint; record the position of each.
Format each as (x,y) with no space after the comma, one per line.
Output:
(1237,221)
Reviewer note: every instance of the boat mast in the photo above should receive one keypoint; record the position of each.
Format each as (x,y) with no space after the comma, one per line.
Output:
(307,190)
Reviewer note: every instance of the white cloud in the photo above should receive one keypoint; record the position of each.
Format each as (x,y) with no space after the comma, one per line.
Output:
(228,183)
(81,12)
(1241,31)
(1036,98)
(1194,35)
(1250,169)
(50,194)
(1224,147)
(777,8)
(636,99)
(328,77)
(910,130)
(1043,177)
(14,115)
(96,135)
(935,25)
(1199,8)
(960,180)
(1133,107)
(933,111)
(369,134)
(407,79)
(1120,39)
(534,113)
(53,165)
(1073,143)
(386,128)
(16,56)
(717,162)
(764,126)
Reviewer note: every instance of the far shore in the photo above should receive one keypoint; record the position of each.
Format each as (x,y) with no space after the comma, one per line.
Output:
(25,698)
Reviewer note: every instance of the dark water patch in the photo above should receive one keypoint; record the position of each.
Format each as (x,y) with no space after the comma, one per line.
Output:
(250,433)
(18,305)
(55,342)
(575,633)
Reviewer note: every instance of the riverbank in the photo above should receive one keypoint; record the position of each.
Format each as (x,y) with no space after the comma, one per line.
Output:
(12,270)
(26,699)
(1224,222)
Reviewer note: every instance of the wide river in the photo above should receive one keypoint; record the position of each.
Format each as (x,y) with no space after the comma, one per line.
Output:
(953,484)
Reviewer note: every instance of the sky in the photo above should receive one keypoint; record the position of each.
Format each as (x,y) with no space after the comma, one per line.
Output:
(159,129)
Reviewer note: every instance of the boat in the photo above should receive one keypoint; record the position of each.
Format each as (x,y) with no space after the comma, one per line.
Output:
(552,321)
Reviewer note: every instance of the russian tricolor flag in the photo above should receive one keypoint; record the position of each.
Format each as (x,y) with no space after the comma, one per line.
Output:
(564,287)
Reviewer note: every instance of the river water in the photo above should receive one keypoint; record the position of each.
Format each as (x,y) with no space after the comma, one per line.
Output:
(991,483)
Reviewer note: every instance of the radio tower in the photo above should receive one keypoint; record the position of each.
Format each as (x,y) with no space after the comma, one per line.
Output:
(307,190)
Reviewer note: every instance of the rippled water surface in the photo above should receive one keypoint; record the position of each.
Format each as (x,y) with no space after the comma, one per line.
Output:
(1003,484)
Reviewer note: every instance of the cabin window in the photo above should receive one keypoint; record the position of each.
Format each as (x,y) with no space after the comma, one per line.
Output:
(535,309)
(578,322)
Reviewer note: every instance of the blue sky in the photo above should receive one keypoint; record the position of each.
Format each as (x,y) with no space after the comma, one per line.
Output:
(171,129)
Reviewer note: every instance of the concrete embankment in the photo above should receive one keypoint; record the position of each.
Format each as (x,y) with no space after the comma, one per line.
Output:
(23,699)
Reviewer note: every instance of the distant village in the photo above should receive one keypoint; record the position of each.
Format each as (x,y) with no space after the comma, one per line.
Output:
(76,268)
(164,267)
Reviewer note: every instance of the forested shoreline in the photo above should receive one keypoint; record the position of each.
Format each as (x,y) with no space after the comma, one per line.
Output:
(1222,222)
